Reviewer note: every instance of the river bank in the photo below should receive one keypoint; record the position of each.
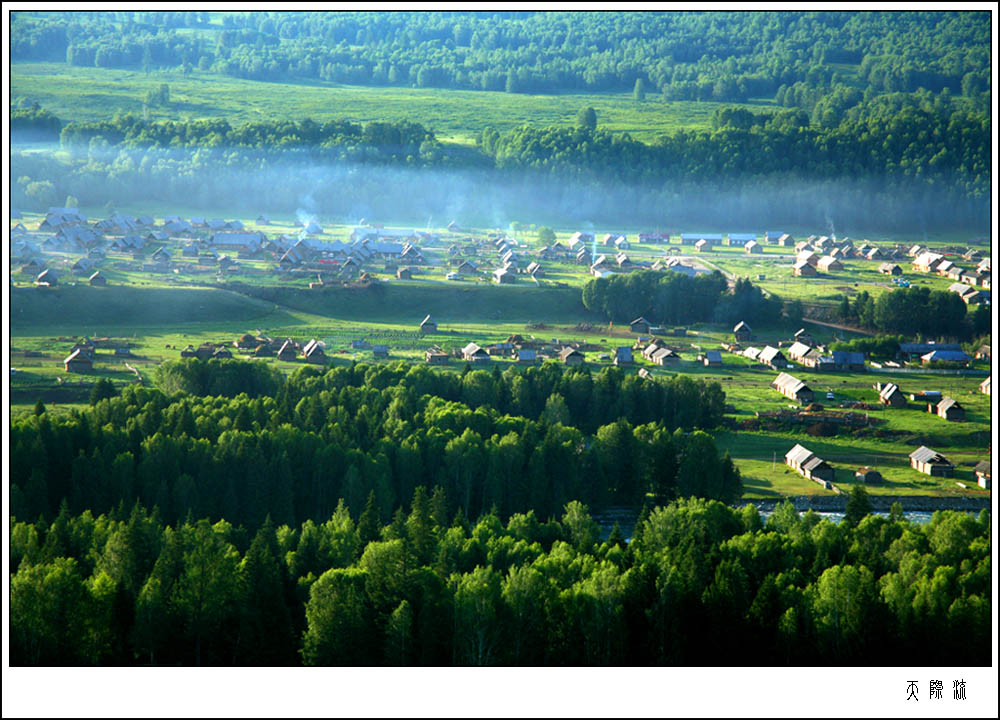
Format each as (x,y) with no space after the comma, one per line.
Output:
(879,503)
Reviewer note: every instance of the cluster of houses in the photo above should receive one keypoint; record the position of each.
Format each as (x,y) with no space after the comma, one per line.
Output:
(965,280)
(803,350)
(83,355)
(923,459)
(260,346)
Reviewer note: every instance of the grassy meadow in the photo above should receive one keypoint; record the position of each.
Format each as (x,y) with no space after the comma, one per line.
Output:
(89,94)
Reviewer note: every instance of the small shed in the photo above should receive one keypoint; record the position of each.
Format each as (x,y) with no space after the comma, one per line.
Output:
(380,351)
(404,274)
(98,280)
(436,357)
(985,386)
(868,476)
(713,358)
(890,394)
(949,409)
(984,474)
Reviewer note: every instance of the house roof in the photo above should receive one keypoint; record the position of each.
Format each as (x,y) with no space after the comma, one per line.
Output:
(798,349)
(799,454)
(741,326)
(947,403)
(770,354)
(427,321)
(888,390)
(472,349)
(569,352)
(787,383)
(921,348)
(845,357)
(946,356)
(924,454)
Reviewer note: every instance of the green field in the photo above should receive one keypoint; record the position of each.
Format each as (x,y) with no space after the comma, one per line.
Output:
(90,94)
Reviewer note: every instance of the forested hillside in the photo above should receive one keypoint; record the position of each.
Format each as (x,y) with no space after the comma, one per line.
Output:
(799,58)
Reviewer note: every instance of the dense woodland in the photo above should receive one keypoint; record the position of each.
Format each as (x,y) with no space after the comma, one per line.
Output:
(917,311)
(674,299)
(798,58)
(127,588)
(259,446)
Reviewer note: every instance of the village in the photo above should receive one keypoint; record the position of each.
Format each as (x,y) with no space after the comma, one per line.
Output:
(64,248)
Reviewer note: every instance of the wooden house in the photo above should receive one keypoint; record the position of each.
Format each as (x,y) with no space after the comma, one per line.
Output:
(753,248)
(474,354)
(525,356)
(428,325)
(435,356)
(46,278)
(949,409)
(774,357)
(571,356)
(664,356)
(503,276)
(985,386)
(809,466)
(404,274)
(742,332)
(829,264)
(712,358)
(380,352)
(888,268)
(78,362)
(288,351)
(640,326)
(793,388)
(930,462)
(623,356)
(313,352)
(98,280)
(803,269)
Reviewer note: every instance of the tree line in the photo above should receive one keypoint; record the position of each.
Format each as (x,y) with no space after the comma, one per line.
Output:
(672,298)
(916,311)
(797,58)
(700,583)
(511,441)
(886,141)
